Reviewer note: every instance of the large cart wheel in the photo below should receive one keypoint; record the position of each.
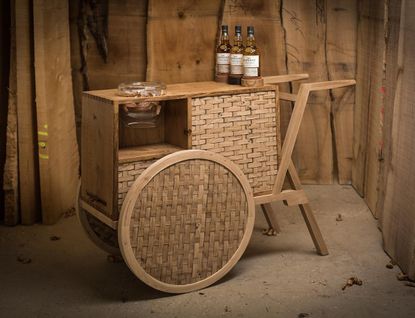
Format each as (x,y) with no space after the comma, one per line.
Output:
(186,221)
(99,233)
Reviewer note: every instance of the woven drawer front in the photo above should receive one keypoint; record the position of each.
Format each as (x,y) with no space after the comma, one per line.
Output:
(243,128)
(127,173)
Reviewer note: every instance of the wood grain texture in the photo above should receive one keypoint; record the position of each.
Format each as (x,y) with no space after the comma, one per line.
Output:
(4,80)
(58,151)
(341,64)
(99,149)
(26,112)
(183,91)
(127,56)
(392,72)
(127,59)
(369,99)
(11,172)
(181,40)
(305,24)
(398,221)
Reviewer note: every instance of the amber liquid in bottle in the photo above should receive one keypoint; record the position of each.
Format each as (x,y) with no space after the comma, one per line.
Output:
(251,57)
(223,54)
(237,50)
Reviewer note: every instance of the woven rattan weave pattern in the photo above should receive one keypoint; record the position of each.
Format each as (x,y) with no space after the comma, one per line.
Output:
(188,221)
(243,128)
(127,173)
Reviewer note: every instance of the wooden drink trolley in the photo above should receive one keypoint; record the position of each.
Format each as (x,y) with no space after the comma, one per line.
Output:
(178,200)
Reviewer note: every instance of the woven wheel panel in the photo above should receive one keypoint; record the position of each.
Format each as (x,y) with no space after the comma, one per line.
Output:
(244,128)
(188,221)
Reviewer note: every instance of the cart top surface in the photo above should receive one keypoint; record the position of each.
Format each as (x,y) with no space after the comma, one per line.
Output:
(182,90)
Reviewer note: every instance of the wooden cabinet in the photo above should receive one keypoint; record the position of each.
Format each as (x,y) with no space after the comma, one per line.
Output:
(239,123)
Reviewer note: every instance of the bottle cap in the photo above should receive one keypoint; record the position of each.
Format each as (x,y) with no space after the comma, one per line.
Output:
(238,29)
(224,28)
(250,29)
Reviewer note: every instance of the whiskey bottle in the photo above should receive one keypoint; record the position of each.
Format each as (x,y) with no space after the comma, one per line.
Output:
(237,51)
(251,56)
(223,56)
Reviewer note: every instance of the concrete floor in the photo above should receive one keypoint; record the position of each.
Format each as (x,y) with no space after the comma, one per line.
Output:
(277,276)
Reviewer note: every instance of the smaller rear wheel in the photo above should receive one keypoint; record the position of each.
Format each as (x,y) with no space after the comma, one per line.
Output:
(99,233)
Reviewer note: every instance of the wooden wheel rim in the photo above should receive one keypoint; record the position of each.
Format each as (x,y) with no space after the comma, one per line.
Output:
(90,232)
(129,205)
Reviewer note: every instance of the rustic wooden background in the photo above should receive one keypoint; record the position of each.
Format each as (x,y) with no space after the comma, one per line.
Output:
(348,136)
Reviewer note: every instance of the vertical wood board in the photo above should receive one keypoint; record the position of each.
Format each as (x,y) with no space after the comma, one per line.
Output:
(305,24)
(11,173)
(28,159)
(399,214)
(126,46)
(181,40)
(341,64)
(392,73)
(58,152)
(369,100)
(4,80)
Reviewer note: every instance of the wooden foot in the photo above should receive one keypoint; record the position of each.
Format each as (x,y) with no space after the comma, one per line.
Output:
(270,217)
(308,214)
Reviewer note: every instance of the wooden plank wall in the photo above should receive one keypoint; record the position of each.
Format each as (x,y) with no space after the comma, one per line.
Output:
(58,151)
(341,63)
(26,113)
(398,215)
(320,41)
(127,54)
(181,39)
(11,171)
(367,149)
(4,81)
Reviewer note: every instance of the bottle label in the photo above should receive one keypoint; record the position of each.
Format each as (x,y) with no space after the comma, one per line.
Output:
(251,61)
(223,58)
(237,64)
(222,68)
(251,71)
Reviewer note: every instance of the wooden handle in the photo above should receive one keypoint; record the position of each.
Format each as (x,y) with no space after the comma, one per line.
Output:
(284,78)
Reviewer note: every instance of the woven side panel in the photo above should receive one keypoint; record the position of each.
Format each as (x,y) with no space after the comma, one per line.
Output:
(127,173)
(188,222)
(244,128)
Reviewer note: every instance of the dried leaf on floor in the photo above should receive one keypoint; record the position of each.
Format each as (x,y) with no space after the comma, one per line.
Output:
(402,277)
(69,213)
(269,232)
(114,259)
(24,260)
(352,281)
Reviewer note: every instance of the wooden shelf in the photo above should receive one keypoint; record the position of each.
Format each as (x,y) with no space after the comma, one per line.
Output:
(147,152)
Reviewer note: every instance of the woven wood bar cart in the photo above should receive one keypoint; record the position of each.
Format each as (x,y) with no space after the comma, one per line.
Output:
(177,200)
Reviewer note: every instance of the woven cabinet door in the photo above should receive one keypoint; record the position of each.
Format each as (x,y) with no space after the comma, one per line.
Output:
(186,221)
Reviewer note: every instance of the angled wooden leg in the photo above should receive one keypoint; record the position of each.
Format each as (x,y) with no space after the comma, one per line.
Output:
(270,216)
(307,213)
